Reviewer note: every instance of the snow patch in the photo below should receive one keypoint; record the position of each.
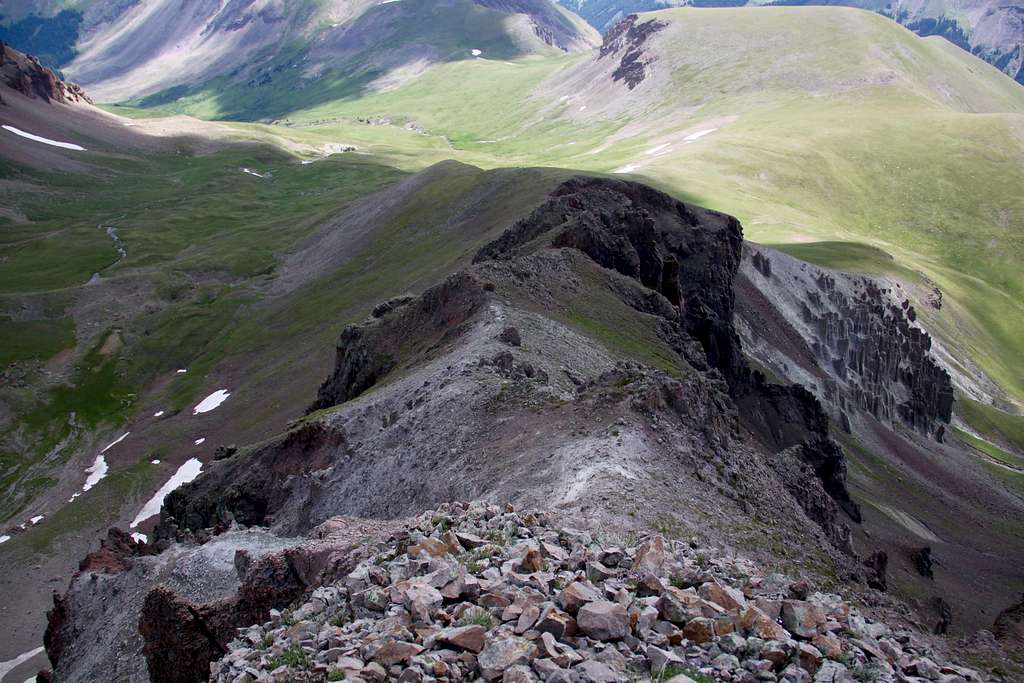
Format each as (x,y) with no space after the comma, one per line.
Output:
(186,473)
(182,371)
(200,442)
(45,141)
(475,52)
(158,413)
(12,664)
(37,519)
(140,538)
(255,173)
(211,402)
(73,496)
(698,135)
(116,441)
(4,539)
(96,473)
(154,462)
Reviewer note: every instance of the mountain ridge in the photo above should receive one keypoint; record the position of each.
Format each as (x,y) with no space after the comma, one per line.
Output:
(992,30)
(152,261)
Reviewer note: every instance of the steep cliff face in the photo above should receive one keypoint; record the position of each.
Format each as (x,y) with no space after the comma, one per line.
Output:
(853,341)
(687,254)
(24,74)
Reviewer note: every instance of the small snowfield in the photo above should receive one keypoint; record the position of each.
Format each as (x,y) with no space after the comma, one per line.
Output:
(185,474)
(211,402)
(45,141)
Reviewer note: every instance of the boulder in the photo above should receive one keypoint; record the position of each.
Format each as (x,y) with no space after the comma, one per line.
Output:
(393,651)
(593,671)
(723,596)
(502,653)
(756,623)
(557,623)
(660,659)
(604,620)
(802,619)
(700,630)
(679,606)
(577,594)
(431,547)
(809,657)
(466,637)
(650,556)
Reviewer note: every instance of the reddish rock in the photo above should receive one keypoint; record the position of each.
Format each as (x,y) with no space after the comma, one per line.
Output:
(724,596)
(802,619)
(431,547)
(755,622)
(650,556)
(394,651)
(700,630)
(829,645)
(181,638)
(809,657)
(679,606)
(557,623)
(577,594)
(115,553)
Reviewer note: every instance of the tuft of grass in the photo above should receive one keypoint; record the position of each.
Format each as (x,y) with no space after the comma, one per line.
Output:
(478,617)
(294,657)
(675,670)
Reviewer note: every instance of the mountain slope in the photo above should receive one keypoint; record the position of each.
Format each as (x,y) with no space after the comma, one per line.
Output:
(990,29)
(137,49)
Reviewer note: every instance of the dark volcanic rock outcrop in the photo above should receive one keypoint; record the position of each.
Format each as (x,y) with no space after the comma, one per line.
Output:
(626,42)
(368,352)
(687,254)
(851,340)
(23,73)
